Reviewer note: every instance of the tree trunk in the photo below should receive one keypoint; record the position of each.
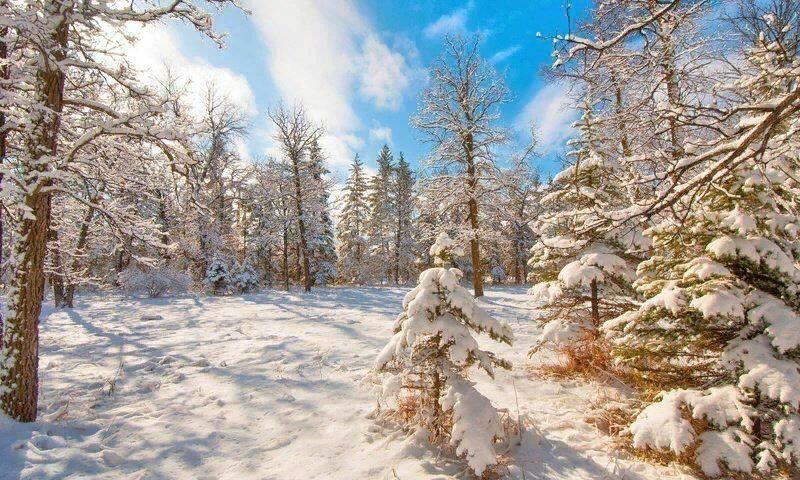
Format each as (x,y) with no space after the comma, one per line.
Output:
(56,279)
(20,372)
(477,271)
(285,258)
(595,305)
(268,267)
(57,282)
(472,204)
(398,240)
(301,225)
(4,74)
(83,238)
(162,218)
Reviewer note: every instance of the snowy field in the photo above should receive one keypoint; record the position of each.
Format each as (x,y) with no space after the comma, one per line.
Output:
(271,386)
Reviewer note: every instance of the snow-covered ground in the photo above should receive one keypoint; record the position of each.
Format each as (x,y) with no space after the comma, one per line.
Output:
(270,386)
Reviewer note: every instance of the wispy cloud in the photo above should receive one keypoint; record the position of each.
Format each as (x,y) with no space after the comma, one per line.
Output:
(384,74)
(159,49)
(504,54)
(383,134)
(453,22)
(326,54)
(548,112)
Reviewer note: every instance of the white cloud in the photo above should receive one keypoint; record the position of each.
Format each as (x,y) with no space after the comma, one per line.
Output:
(504,54)
(324,54)
(340,149)
(549,113)
(454,22)
(383,134)
(158,48)
(384,74)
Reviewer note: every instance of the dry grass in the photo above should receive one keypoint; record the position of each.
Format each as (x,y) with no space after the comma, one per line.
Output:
(589,358)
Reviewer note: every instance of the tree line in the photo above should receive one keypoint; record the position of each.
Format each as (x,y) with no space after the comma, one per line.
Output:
(111,180)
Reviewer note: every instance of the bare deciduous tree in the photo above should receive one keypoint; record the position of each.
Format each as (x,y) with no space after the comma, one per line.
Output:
(296,134)
(457,116)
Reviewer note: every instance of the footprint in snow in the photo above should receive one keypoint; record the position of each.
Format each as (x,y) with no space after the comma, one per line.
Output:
(287,397)
(112,458)
(277,443)
(47,442)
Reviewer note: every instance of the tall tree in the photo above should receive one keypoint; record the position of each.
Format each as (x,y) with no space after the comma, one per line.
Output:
(405,247)
(321,237)
(351,229)
(381,224)
(296,134)
(521,191)
(61,41)
(457,115)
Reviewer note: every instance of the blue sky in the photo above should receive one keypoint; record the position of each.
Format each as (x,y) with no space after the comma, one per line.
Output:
(359,66)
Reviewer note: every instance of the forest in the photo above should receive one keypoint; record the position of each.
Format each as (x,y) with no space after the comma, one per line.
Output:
(470,304)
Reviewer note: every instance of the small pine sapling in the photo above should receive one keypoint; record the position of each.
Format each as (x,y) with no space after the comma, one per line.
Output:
(218,277)
(582,279)
(245,280)
(427,361)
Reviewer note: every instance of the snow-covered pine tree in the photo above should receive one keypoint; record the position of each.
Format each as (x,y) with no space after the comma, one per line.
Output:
(583,279)
(321,236)
(405,246)
(218,278)
(245,278)
(427,361)
(382,218)
(351,229)
(719,331)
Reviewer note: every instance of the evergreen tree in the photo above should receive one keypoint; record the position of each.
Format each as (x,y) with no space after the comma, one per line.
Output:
(718,331)
(245,279)
(583,278)
(321,236)
(351,229)
(405,247)
(428,359)
(218,278)
(381,225)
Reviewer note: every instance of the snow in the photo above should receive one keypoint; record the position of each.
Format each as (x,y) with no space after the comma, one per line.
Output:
(475,423)
(661,425)
(757,250)
(443,244)
(716,447)
(576,274)
(671,298)
(271,386)
(783,322)
(726,303)
(545,292)
(788,431)
(776,378)
(703,268)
